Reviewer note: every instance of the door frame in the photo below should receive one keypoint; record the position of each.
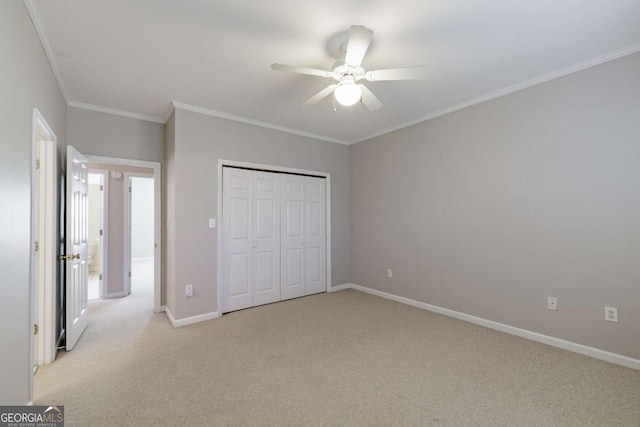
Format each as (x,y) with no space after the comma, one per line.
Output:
(271,168)
(44,181)
(127,259)
(157,217)
(104,225)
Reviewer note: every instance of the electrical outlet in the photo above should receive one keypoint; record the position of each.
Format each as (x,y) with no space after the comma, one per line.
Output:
(611,314)
(188,291)
(389,272)
(552,303)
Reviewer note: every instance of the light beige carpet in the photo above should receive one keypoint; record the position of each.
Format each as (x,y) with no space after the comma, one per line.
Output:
(345,358)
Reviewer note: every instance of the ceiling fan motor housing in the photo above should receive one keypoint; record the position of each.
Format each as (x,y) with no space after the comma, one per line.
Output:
(342,70)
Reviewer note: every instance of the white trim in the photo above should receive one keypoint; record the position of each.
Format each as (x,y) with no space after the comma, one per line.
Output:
(340,287)
(48,247)
(42,268)
(220,114)
(326,175)
(144,258)
(169,316)
(596,353)
(121,161)
(610,56)
(38,23)
(115,295)
(36,17)
(169,112)
(104,225)
(116,112)
(157,177)
(176,323)
(232,163)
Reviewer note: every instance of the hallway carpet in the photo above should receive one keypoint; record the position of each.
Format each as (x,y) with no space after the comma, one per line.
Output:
(340,359)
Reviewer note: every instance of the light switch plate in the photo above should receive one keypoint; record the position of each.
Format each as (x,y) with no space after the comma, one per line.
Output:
(212,223)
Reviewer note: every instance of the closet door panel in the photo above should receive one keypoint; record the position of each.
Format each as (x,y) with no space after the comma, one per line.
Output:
(266,246)
(292,223)
(237,239)
(314,238)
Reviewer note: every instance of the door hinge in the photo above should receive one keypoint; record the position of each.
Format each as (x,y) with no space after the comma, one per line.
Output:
(37,246)
(101,187)
(37,163)
(129,189)
(35,329)
(101,232)
(100,276)
(129,274)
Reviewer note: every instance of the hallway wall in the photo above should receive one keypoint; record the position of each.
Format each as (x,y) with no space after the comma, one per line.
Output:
(26,81)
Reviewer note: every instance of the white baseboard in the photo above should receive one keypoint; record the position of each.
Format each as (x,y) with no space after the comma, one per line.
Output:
(190,320)
(618,359)
(115,295)
(30,403)
(340,287)
(161,309)
(170,316)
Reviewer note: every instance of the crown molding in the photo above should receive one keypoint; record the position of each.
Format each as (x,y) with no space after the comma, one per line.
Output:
(38,23)
(169,112)
(117,112)
(34,13)
(629,50)
(219,114)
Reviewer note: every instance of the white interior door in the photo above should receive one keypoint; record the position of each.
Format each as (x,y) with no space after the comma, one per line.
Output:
(237,239)
(77,226)
(266,238)
(314,235)
(292,240)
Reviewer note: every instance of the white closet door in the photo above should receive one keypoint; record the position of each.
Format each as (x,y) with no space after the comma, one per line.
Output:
(314,235)
(237,239)
(292,270)
(266,240)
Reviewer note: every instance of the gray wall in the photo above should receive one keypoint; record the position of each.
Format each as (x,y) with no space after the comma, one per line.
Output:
(26,81)
(108,135)
(491,209)
(199,142)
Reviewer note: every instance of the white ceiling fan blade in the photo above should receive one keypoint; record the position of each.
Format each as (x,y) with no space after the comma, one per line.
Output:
(369,99)
(301,70)
(407,73)
(321,95)
(359,39)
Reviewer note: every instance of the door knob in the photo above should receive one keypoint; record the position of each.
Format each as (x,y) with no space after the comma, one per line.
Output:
(69,257)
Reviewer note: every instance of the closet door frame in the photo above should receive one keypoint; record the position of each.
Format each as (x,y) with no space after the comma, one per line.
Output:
(271,168)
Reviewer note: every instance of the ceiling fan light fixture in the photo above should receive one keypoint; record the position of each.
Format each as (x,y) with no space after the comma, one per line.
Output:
(347,93)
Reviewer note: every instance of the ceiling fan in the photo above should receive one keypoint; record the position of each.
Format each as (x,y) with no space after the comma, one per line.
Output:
(348,71)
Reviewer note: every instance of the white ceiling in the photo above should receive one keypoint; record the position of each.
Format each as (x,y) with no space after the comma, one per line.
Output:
(139,55)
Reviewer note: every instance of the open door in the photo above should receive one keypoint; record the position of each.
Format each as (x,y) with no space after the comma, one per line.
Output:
(77,229)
